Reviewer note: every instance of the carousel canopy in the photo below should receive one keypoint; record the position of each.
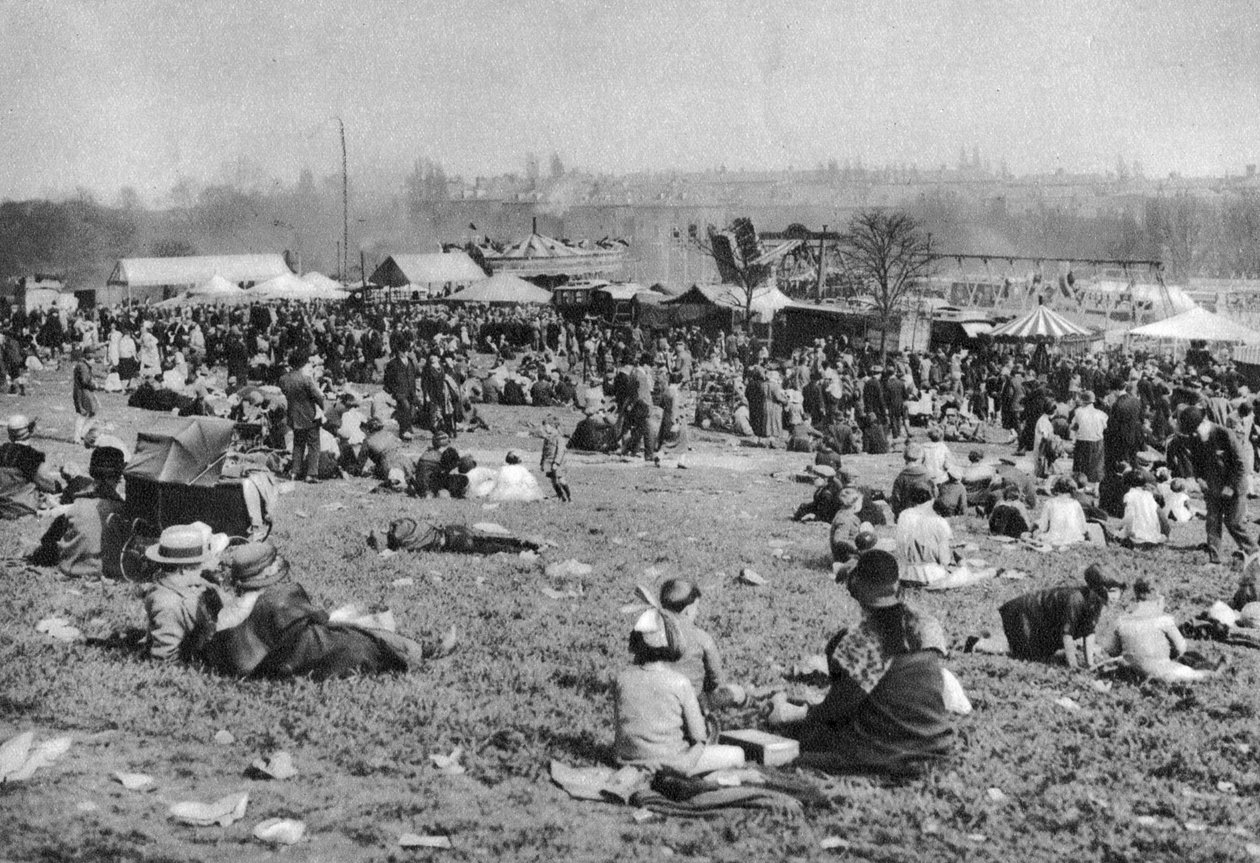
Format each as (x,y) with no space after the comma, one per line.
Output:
(1040,323)
(1198,324)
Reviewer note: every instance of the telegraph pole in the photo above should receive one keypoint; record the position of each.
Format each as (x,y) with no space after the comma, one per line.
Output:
(345,203)
(819,289)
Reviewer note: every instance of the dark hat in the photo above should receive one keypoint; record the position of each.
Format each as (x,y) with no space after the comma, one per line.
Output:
(373,424)
(106,461)
(466,463)
(1189,420)
(1100,579)
(678,593)
(251,565)
(875,580)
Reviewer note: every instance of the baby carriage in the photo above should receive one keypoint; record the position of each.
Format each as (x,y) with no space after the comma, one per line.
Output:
(185,475)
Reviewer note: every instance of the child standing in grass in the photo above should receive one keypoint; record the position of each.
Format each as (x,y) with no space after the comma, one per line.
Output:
(553,459)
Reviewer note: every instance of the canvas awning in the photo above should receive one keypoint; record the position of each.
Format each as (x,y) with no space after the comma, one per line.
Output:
(1040,323)
(1198,324)
(502,288)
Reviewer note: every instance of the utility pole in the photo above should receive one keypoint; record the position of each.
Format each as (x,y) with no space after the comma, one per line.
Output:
(345,204)
(818,290)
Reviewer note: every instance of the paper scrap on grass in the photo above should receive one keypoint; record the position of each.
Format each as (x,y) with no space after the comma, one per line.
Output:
(277,765)
(135,781)
(570,568)
(414,840)
(58,628)
(403,582)
(997,795)
(20,758)
(280,831)
(751,577)
(223,737)
(449,764)
(833,843)
(223,811)
(1067,703)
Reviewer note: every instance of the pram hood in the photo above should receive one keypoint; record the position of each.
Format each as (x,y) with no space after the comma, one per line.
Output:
(191,455)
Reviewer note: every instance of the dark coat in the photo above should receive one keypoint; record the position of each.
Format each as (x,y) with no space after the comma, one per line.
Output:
(303,398)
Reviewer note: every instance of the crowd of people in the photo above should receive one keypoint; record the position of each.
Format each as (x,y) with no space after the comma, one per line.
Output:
(1106,450)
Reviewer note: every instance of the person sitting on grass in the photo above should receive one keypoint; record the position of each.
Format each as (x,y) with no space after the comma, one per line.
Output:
(656,714)
(885,710)
(1147,639)
(1112,489)
(1143,526)
(1062,521)
(25,476)
(1176,506)
(951,495)
(183,553)
(698,659)
(515,482)
(1010,517)
(913,475)
(825,502)
(86,540)
(923,539)
(1040,624)
(847,525)
(383,451)
(273,629)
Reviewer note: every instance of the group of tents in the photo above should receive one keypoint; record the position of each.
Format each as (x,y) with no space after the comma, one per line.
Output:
(218,290)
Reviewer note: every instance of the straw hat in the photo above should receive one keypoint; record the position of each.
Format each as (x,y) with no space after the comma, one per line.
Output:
(186,544)
(20,427)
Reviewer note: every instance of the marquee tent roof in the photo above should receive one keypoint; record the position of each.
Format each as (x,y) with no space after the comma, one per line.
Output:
(321,282)
(216,287)
(1040,323)
(765,301)
(501,288)
(437,268)
(157,272)
(1196,324)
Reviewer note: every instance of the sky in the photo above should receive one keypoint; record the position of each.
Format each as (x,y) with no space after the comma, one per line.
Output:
(104,95)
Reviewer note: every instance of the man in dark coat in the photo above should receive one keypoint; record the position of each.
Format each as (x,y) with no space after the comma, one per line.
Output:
(236,356)
(874,403)
(895,398)
(400,383)
(1123,436)
(1207,452)
(305,404)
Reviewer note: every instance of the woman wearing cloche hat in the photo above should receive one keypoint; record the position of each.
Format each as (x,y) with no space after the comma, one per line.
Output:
(885,711)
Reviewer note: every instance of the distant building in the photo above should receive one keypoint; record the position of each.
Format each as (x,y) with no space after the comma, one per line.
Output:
(160,278)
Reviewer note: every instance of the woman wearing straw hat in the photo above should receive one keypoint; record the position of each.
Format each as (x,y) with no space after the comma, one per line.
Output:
(885,711)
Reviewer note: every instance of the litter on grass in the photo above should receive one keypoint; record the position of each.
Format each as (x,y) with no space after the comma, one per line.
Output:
(278,765)
(280,831)
(224,811)
(223,737)
(449,764)
(20,757)
(414,840)
(58,628)
(135,781)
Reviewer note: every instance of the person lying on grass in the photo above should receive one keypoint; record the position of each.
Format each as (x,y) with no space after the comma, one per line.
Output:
(407,534)
(885,710)
(698,659)
(656,713)
(1147,639)
(1038,625)
(271,628)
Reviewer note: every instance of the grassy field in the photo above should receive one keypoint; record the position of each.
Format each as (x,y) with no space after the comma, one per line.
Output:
(1139,772)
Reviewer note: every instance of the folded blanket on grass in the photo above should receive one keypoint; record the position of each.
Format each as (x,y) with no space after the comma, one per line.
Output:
(668,793)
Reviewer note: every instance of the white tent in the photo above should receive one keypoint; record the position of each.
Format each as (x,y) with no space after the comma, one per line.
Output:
(290,287)
(1198,324)
(216,288)
(1142,292)
(501,288)
(325,288)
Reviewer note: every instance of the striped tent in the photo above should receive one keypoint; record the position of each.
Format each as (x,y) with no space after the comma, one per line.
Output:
(1040,323)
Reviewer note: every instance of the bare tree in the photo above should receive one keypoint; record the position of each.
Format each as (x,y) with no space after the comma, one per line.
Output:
(737,253)
(890,254)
